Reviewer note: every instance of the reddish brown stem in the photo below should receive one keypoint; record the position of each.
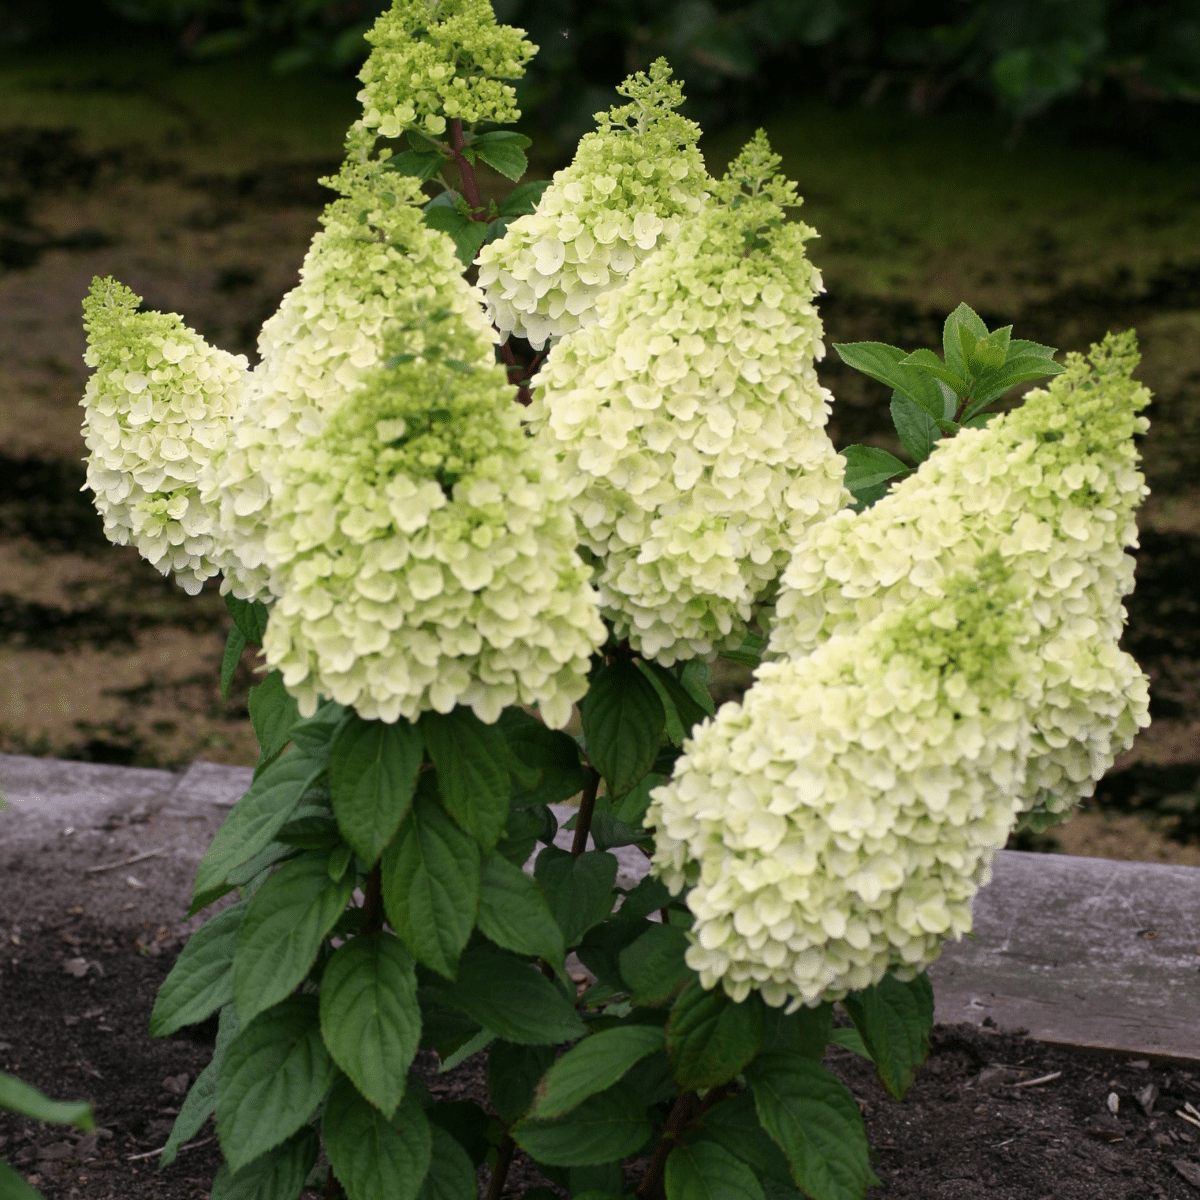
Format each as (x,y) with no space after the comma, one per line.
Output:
(466,172)
(681,1113)
(583,822)
(500,1171)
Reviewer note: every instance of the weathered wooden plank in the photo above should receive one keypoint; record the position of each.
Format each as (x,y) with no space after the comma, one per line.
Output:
(47,795)
(1087,951)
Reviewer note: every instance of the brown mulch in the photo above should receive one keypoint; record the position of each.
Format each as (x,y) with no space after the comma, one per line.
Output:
(974,1123)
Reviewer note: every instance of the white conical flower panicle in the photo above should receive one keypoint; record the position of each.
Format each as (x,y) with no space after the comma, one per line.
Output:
(633,186)
(1053,488)
(440,60)
(690,422)
(369,270)
(157,408)
(417,541)
(837,824)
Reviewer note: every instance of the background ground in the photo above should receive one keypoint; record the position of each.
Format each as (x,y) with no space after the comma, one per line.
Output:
(196,185)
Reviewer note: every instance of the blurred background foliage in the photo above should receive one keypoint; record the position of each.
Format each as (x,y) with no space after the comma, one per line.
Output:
(1121,58)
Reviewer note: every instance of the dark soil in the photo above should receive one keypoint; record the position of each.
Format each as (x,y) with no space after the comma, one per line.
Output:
(966,1128)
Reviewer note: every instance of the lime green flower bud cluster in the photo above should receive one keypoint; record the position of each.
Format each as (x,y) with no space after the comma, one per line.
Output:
(437,61)
(837,824)
(690,421)
(157,408)
(634,183)
(1053,488)
(417,541)
(371,269)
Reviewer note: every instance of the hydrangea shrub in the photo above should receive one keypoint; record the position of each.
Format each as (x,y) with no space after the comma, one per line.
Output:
(454,517)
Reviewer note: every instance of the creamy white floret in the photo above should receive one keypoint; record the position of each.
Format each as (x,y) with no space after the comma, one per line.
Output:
(837,823)
(690,422)
(1052,487)
(158,407)
(633,186)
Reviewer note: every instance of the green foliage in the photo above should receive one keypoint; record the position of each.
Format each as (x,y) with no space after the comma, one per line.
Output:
(202,979)
(372,776)
(514,914)
(593,1065)
(279,1174)
(934,397)
(622,721)
(201,1100)
(705,1171)
(710,1038)
(893,1019)
(609,1125)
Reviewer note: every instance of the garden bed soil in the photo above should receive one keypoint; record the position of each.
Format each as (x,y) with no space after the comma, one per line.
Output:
(975,1123)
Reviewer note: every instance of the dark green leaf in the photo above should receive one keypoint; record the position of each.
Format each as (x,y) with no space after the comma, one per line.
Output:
(282,931)
(806,1031)
(372,775)
(14,1187)
(654,967)
(917,429)
(609,832)
(339,861)
(467,1123)
(578,889)
(813,1118)
(472,769)
(604,1180)
(310,830)
(277,1175)
(610,1125)
(451,1173)
(591,1066)
(926,360)
(988,353)
(467,235)
(431,884)
(249,616)
(504,151)
(275,1072)
(1019,348)
(255,819)
(314,735)
(734,1124)
(523,199)
(514,914)
(20,1097)
(601,948)
(850,1039)
(622,721)
(882,362)
(370,1018)
(704,1171)
(201,1100)
(697,678)
(682,709)
(650,894)
(273,712)
(750,652)
(374,1157)
(710,1038)
(961,317)
(868,469)
(512,998)
(235,643)
(1013,372)
(549,752)
(202,979)
(415,162)
(894,1020)
(522,832)
(513,1073)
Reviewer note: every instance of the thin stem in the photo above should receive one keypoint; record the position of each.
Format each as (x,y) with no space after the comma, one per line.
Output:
(681,1113)
(466,172)
(583,822)
(500,1172)
(372,906)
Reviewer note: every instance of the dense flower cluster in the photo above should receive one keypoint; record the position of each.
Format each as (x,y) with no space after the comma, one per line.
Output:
(416,540)
(159,404)
(634,183)
(371,268)
(837,823)
(1052,487)
(690,421)
(440,60)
